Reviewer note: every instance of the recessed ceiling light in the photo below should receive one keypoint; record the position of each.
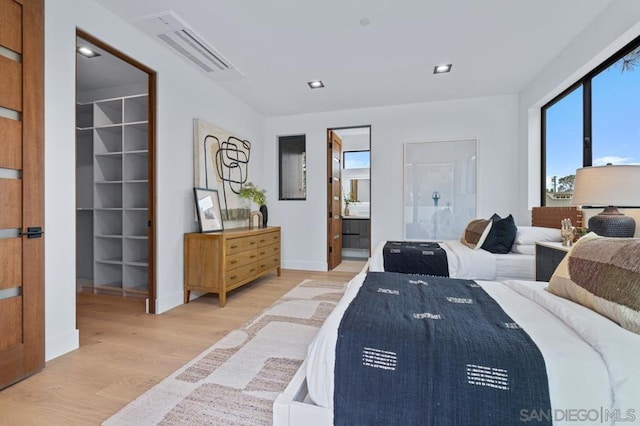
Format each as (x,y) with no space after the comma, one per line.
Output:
(316,84)
(85,51)
(365,21)
(439,69)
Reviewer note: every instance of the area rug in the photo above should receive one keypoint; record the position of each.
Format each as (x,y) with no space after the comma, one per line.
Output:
(236,380)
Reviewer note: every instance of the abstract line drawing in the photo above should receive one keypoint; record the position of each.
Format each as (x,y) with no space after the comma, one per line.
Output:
(221,161)
(232,163)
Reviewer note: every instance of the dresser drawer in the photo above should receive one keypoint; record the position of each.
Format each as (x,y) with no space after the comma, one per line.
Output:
(268,263)
(234,261)
(269,250)
(237,245)
(269,238)
(241,273)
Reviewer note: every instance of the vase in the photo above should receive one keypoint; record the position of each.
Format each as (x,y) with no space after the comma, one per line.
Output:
(265,215)
(346,210)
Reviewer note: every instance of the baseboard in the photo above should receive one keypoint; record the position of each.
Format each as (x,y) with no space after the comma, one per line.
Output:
(60,345)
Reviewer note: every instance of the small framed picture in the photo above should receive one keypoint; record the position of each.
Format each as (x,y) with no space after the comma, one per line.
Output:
(208,209)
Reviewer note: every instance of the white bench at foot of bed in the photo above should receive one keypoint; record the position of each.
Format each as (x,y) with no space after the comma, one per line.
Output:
(293,406)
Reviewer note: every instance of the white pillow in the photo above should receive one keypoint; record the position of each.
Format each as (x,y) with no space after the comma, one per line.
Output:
(528,235)
(523,249)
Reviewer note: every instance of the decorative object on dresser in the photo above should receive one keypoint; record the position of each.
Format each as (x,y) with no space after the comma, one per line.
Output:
(208,209)
(613,187)
(251,192)
(252,220)
(548,257)
(220,262)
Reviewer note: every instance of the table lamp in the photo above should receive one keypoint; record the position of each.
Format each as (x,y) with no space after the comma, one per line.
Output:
(612,187)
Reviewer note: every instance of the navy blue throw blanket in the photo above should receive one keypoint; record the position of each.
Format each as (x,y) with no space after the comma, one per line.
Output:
(415,257)
(422,350)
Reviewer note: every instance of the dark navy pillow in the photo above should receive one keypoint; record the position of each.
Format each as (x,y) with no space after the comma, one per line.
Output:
(501,236)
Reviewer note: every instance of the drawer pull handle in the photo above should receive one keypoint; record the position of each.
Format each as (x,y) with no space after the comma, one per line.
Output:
(253,257)
(234,246)
(263,265)
(252,243)
(252,270)
(233,262)
(233,277)
(263,240)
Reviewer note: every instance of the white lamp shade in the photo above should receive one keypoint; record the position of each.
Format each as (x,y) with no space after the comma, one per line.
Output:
(607,186)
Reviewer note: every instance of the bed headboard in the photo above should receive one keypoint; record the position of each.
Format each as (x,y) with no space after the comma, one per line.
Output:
(551,217)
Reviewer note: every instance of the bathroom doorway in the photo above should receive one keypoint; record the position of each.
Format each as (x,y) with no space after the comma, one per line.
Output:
(354,197)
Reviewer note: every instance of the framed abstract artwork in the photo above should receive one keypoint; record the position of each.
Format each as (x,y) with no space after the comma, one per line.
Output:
(221,161)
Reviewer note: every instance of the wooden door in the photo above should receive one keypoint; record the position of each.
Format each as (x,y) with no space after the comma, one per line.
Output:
(334,197)
(21,189)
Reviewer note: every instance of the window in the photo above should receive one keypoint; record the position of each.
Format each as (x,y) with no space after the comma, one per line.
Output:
(293,167)
(592,123)
(563,122)
(356,160)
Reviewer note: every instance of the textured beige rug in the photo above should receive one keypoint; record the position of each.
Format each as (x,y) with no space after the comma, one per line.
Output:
(236,380)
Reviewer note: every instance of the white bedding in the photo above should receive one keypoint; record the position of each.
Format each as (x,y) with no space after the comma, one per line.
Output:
(515,266)
(591,362)
(480,264)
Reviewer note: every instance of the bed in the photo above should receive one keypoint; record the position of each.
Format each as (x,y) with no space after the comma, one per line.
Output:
(464,262)
(517,263)
(591,360)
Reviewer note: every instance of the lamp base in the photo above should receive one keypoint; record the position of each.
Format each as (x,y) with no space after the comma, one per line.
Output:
(612,223)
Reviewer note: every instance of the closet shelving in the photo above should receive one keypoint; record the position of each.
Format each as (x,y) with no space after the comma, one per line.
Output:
(112,196)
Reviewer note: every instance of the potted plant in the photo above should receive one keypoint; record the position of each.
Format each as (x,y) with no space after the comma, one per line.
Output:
(258,196)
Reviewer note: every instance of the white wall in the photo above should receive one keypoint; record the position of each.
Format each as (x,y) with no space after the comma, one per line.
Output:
(492,120)
(616,26)
(183,94)
(355,142)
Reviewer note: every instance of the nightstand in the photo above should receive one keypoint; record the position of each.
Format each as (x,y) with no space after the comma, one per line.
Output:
(548,257)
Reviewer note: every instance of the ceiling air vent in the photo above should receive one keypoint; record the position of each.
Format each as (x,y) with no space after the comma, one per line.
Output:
(168,28)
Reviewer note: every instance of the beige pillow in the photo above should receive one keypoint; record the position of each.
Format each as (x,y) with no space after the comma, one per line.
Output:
(475,233)
(602,274)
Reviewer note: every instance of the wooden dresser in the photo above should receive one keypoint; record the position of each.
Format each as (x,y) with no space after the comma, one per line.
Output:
(219,262)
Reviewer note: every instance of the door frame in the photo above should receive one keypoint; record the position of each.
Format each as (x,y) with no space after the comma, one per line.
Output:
(328,159)
(151,308)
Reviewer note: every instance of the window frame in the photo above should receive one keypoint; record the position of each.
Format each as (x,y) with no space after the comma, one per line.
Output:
(587,142)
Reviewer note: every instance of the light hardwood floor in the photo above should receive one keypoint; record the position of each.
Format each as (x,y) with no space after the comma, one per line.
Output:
(123,351)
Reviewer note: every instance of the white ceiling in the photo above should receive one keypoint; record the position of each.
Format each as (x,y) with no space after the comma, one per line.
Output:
(495,46)
(105,71)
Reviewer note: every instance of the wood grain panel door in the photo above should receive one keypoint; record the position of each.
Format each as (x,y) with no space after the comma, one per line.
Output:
(334,197)
(21,189)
